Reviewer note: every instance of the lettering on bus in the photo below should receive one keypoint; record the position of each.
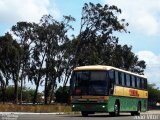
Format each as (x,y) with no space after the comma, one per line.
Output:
(133,92)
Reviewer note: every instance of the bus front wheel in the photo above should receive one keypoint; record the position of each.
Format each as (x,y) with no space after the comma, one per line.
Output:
(84,114)
(116,110)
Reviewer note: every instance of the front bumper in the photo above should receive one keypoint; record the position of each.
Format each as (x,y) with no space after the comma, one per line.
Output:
(90,107)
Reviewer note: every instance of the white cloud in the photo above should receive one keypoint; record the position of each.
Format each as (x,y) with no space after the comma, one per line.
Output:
(153,66)
(142,15)
(12,11)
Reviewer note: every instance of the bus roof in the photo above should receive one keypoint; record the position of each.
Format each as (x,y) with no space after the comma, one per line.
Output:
(103,67)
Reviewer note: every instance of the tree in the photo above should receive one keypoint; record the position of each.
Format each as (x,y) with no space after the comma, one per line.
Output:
(23,32)
(9,62)
(97,26)
(153,93)
(27,97)
(48,62)
(122,57)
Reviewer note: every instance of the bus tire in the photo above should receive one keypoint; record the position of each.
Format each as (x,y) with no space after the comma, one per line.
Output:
(138,109)
(132,113)
(116,110)
(84,114)
(111,114)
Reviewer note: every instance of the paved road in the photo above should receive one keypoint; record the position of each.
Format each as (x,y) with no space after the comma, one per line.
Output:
(124,116)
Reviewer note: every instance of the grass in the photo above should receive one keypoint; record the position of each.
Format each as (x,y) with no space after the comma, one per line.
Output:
(35,108)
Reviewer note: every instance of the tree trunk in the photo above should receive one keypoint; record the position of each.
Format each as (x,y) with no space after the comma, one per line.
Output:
(39,77)
(35,94)
(46,91)
(3,89)
(16,92)
(52,95)
(21,90)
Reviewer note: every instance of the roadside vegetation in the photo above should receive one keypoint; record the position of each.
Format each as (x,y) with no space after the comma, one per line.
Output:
(153,97)
(35,108)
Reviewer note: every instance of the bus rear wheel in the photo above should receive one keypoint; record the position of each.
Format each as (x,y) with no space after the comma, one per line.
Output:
(116,110)
(138,110)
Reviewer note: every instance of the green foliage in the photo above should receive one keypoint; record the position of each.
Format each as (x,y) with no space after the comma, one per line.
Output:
(27,94)
(9,61)
(47,58)
(153,93)
(62,94)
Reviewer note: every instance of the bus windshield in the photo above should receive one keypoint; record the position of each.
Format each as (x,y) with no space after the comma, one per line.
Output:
(89,83)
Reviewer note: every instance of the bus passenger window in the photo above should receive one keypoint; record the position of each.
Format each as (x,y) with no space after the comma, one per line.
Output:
(145,83)
(120,78)
(128,80)
(116,77)
(142,83)
(133,81)
(125,82)
(111,78)
(123,79)
(138,82)
(111,75)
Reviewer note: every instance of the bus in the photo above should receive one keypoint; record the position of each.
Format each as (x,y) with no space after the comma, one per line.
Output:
(99,88)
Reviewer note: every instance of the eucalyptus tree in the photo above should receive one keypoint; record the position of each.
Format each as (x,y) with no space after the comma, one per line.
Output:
(123,57)
(4,73)
(23,32)
(9,60)
(48,62)
(98,23)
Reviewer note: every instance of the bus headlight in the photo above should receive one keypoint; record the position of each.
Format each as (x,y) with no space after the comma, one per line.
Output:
(73,106)
(103,106)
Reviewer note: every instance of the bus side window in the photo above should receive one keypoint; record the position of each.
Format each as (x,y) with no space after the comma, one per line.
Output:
(128,80)
(116,77)
(145,83)
(142,83)
(133,81)
(138,82)
(111,76)
(125,82)
(123,79)
(120,78)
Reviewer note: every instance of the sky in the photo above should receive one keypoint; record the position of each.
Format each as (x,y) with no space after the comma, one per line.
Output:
(143,17)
